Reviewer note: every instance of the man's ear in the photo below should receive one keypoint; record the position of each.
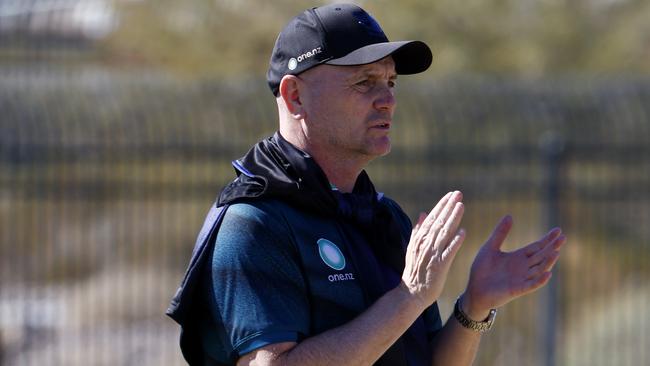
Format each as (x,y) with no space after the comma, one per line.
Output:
(290,93)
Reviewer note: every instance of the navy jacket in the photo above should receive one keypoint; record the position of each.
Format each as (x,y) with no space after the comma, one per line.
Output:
(274,169)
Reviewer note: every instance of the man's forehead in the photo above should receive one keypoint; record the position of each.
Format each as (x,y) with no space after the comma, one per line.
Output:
(383,66)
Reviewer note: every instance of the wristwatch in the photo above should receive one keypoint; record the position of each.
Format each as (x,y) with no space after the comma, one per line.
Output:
(468,323)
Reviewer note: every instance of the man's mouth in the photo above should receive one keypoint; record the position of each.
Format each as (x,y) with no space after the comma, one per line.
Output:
(383,126)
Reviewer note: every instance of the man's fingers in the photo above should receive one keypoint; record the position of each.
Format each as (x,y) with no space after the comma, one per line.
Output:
(451,225)
(540,255)
(440,205)
(535,247)
(423,215)
(448,255)
(443,216)
(545,266)
(500,233)
(452,249)
(435,212)
(437,217)
(434,229)
(427,223)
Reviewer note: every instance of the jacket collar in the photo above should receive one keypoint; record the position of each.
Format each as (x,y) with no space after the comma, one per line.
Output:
(275,168)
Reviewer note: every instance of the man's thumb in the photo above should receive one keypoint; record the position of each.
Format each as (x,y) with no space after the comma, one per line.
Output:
(500,233)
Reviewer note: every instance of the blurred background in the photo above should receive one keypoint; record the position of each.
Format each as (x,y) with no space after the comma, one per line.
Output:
(119,119)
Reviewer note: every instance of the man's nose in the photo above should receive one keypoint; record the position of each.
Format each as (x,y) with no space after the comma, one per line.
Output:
(385,99)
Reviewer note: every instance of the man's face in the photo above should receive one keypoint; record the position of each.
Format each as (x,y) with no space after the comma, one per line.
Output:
(349,109)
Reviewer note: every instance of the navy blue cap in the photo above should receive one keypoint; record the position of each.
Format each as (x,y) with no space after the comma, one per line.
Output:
(339,34)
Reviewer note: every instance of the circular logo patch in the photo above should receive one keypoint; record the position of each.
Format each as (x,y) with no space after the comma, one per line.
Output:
(331,254)
(293,63)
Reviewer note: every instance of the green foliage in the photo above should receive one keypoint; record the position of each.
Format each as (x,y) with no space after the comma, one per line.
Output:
(227,38)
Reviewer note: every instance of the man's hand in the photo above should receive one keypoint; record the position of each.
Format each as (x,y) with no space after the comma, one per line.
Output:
(498,277)
(434,242)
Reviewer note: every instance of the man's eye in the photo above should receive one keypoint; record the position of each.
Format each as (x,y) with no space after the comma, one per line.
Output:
(392,83)
(365,82)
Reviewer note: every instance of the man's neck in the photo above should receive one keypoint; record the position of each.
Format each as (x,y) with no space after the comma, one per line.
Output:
(340,171)
(343,180)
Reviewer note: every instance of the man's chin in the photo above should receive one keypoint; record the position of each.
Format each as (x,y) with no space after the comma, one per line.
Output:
(381,149)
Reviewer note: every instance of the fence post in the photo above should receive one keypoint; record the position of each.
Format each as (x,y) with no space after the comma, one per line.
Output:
(553,150)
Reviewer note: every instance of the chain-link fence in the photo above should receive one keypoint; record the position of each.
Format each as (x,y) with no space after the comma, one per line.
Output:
(106,177)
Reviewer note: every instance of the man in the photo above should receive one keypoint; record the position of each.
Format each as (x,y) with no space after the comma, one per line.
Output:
(309,265)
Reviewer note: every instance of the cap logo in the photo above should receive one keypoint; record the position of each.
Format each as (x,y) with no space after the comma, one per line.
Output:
(331,254)
(293,62)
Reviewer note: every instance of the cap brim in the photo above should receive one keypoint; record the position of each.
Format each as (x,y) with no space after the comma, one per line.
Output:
(411,57)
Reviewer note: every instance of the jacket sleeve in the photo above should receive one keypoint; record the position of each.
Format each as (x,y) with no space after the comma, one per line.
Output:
(258,289)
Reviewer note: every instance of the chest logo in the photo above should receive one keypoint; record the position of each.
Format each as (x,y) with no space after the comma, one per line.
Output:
(331,254)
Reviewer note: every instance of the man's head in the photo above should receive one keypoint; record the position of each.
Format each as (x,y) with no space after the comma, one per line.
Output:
(341,111)
(333,72)
(339,34)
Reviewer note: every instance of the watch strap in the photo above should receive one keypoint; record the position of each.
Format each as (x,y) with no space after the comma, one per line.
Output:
(467,322)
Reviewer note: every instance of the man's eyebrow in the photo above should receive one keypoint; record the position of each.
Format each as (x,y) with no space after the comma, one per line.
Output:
(371,73)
